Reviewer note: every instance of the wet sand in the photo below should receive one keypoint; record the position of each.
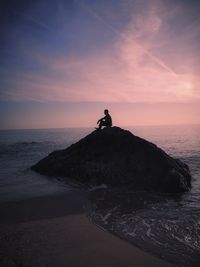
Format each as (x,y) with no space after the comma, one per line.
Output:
(55,231)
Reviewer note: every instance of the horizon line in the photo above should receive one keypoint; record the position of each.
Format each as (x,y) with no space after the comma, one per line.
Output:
(91,127)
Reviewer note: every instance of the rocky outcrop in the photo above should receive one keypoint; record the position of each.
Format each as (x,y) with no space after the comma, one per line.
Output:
(116,157)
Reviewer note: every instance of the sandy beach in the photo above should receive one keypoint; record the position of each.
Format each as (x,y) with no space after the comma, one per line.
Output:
(55,231)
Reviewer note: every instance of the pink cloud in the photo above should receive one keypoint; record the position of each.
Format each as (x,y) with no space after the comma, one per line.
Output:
(128,71)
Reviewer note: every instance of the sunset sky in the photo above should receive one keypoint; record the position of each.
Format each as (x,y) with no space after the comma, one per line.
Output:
(64,61)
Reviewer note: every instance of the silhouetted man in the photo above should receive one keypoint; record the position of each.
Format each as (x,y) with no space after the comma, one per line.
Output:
(105,121)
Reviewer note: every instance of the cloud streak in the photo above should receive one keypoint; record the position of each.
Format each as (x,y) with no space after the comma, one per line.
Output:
(153,24)
(137,66)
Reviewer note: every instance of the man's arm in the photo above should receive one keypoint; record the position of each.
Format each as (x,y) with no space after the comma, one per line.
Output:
(101,120)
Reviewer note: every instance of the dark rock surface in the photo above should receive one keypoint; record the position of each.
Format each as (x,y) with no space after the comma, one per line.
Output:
(117,157)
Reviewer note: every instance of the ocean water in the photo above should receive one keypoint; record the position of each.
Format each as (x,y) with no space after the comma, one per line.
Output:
(19,150)
(165,225)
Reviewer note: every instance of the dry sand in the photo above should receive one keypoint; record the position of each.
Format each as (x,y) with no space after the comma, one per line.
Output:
(54,231)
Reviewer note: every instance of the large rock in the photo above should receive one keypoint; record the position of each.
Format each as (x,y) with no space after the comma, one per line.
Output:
(117,157)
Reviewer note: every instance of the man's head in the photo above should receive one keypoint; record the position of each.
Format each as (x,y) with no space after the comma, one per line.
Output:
(105,111)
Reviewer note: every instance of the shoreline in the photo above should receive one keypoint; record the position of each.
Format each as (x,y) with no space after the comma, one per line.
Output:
(55,231)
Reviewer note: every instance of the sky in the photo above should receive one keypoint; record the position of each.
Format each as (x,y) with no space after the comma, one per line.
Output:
(64,61)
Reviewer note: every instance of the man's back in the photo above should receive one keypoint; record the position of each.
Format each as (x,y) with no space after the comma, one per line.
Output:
(108,120)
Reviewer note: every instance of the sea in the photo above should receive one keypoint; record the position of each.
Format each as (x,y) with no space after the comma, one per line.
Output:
(165,225)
